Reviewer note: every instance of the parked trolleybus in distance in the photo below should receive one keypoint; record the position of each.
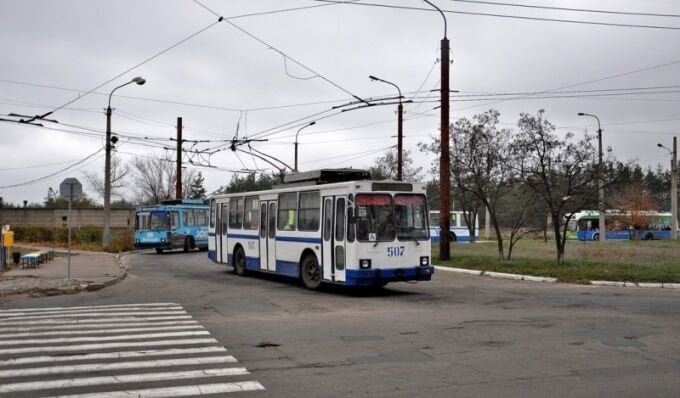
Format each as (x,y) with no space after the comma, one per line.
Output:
(172,224)
(458,229)
(325,226)
(642,225)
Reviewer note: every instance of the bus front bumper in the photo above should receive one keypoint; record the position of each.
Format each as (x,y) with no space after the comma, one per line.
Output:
(369,277)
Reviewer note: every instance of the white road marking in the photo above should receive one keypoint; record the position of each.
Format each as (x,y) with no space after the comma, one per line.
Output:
(100,367)
(112,355)
(122,337)
(84,326)
(94,314)
(119,379)
(89,310)
(91,306)
(97,331)
(104,346)
(87,321)
(183,391)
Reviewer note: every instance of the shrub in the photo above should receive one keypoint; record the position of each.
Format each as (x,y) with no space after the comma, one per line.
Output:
(121,242)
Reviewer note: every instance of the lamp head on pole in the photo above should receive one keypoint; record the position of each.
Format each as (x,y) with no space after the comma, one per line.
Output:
(139,80)
(659,145)
(372,77)
(581,114)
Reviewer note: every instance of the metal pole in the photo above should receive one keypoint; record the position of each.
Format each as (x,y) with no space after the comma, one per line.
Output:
(674,189)
(600,190)
(178,183)
(70,199)
(296,154)
(106,234)
(400,138)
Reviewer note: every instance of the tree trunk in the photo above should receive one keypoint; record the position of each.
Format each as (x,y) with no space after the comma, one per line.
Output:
(559,242)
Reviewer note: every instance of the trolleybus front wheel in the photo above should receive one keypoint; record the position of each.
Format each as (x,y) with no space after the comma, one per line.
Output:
(311,272)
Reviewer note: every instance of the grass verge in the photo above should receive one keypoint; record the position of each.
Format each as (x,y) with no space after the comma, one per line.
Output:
(629,261)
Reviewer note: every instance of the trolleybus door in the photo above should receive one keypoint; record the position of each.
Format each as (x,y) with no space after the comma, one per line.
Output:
(223,247)
(268,235)
(334,235)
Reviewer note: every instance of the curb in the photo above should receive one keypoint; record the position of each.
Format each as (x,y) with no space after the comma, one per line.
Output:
(518,277)
(501,275)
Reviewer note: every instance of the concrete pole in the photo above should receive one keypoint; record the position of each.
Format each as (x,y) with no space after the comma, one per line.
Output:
(400,139)
(178,183)
(674,189)
(106,233)
(600,190)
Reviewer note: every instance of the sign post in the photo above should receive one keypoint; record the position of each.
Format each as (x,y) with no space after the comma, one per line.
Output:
(71,189)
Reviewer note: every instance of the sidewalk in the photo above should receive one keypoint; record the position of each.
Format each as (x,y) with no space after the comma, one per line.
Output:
(89,271)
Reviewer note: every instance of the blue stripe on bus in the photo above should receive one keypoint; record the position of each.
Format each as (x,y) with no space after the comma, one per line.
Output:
(368,277)
(298,239)
(242,236)
(287,268)
(211,234)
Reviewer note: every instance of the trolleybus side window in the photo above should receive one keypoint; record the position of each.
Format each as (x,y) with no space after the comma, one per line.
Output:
(174,219)
(236,213)
(287,210)
(213,213)
(252,209)
(351,223)
(224,217)
(310,207)
(327,219)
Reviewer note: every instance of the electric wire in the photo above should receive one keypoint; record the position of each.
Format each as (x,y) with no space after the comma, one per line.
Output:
(642,14)
(610,24)
(33,181)
(270,46)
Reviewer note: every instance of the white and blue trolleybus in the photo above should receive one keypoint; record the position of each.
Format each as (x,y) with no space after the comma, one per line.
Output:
(325,226)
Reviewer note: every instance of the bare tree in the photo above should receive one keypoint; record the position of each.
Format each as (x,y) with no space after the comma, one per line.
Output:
(119,172)
(563,173)
(155,178)
(385,167)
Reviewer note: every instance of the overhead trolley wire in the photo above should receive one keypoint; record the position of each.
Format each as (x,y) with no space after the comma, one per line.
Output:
(587,10)
(486,14)
(270,46)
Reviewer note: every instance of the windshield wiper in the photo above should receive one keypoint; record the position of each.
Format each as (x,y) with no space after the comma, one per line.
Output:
(410,237)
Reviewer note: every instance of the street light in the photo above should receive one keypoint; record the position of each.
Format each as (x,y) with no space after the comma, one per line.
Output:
(674,186)
(445,156)
(600,191)
(400,127)
(296,142)
(106,235)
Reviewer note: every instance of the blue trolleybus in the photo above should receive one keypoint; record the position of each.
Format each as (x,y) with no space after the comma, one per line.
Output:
(172,224)
(325,226)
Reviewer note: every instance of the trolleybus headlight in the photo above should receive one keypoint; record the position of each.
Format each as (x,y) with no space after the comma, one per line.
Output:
(365,263)
(424,261)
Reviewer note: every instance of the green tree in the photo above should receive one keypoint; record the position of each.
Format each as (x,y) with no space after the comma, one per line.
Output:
(197,190)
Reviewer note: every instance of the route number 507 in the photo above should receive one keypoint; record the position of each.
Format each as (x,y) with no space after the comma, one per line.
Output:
(395,251)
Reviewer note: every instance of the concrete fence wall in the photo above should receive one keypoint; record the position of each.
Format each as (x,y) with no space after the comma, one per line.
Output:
(120,218)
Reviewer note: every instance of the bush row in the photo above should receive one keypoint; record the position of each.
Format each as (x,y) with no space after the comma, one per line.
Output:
(88,237)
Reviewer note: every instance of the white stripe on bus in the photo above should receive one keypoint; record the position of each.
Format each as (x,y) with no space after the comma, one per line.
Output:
(119,379)
(102,367)
(181,391)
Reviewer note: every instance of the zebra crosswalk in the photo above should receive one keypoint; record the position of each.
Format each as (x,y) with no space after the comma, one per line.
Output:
(126,350)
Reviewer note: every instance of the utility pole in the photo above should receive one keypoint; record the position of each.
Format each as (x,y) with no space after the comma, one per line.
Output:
(674,189)
(178,184)
(400,140)
(600,172)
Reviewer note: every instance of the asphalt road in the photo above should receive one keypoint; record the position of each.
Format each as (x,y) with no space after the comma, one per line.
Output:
(457,336)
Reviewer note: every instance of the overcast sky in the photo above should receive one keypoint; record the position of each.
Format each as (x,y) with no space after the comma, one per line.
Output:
(223,77)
